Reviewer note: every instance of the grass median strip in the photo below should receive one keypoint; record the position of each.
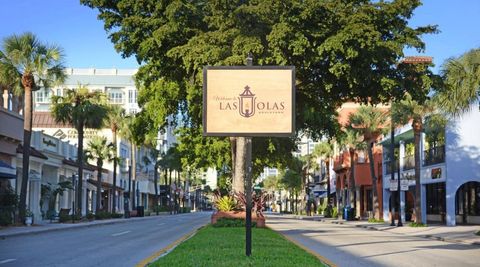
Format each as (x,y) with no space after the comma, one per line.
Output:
(226,247)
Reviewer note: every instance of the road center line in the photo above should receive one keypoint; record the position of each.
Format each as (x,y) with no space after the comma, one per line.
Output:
(7,261)
(122,233)
(160,224)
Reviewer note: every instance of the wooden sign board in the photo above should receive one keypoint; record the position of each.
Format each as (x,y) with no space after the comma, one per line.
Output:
(249,101)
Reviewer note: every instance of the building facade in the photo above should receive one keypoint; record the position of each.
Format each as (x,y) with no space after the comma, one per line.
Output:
(449,172)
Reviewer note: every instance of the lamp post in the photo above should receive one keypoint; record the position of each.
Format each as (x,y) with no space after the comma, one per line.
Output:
(128,195)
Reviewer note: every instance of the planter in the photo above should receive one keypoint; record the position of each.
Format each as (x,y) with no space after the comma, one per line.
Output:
(260,220)
(28,221)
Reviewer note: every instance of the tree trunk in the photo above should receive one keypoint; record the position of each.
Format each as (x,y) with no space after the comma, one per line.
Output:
(98,205)
(114,198)
(80,169)
(134,174)
(328,182)
(27,81)
(155,181)
(376,208)
(418,186)
(351,183)
(238,182)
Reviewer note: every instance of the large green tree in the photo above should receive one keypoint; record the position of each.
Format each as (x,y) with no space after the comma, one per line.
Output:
(100,151)
(26,65)
(342,50)
(370,123)
(81,109)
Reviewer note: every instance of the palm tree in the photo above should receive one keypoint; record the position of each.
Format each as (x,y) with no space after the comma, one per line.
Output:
(128,133)
(115,119)
(99,150)
(325,151)
(462,83)
(351,140)
(26,64)
(403,112)
(82,109)
(370,122)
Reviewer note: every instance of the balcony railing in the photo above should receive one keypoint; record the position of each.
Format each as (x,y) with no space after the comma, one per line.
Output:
(408,162)
(389,167)
(434,155)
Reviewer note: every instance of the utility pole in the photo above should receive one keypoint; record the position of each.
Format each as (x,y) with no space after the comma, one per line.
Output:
(248,184)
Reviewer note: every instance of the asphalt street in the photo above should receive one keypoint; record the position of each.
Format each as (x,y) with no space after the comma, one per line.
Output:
(122,244)
(352,246)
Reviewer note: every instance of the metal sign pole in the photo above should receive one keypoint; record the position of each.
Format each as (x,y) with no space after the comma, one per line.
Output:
(248,186)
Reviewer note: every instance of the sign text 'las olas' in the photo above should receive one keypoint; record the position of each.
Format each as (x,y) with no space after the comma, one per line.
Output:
(249,101)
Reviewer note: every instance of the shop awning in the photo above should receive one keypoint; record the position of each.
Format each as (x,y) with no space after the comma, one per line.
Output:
(7,171)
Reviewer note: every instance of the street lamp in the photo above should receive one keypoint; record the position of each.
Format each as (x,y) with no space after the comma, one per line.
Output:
(74,178)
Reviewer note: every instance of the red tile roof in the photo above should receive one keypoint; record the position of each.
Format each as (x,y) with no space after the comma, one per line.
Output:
(33,152)
(417,59)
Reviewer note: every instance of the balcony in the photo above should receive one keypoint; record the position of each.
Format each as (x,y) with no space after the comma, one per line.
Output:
(408,162)
(434,155)
(389,167)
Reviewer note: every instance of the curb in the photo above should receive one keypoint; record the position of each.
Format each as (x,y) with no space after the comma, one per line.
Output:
(73,226)
(162,252)
(318,256)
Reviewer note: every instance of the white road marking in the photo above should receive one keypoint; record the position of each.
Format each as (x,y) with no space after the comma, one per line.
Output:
(122,233)
(161,224)
(7,261)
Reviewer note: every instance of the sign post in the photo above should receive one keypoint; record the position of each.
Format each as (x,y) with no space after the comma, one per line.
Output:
(248,101)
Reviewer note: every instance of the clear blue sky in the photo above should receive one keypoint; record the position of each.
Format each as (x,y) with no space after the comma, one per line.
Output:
(77,30)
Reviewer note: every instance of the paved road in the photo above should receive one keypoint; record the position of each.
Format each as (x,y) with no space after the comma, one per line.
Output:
(123,244)
(352,246)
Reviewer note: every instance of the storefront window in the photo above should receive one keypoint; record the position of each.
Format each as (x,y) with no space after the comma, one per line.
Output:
(436,198)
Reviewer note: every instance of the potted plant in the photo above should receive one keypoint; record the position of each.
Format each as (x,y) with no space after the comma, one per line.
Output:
(28,217)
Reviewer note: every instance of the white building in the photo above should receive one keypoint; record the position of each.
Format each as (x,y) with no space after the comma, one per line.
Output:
(450,176)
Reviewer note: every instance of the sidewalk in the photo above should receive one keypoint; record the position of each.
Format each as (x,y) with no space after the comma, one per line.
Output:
(46,226)
(463,234)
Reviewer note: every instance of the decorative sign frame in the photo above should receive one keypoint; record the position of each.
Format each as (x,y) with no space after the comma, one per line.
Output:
(249,101)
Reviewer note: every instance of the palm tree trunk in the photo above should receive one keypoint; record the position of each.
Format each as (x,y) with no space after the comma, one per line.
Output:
(328,182)
(80,169)
(155,181)
(98,206)
(418,186)
(376,208)
(27,135)
(351,184)
(114,198)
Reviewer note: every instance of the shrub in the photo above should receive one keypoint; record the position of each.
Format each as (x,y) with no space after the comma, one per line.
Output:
(225,203)
(373,220)
(321,208)
(64,218)
(119,215)
(5,217)
(478,232)
(102,215)
(185,210)
(335,212)
(328,212)
(414,224)
(90,216)
(229,222)
(160,209)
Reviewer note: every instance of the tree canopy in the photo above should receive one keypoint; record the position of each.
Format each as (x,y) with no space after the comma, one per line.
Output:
(342,50)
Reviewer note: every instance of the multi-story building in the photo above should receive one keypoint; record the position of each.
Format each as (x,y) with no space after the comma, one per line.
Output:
(119,86)
(449,172)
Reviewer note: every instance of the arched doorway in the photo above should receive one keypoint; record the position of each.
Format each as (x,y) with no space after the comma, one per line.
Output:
(467,203)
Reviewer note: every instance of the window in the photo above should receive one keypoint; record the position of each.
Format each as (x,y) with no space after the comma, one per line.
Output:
(435,198)
(115,95)
(132,96)
(42,96)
